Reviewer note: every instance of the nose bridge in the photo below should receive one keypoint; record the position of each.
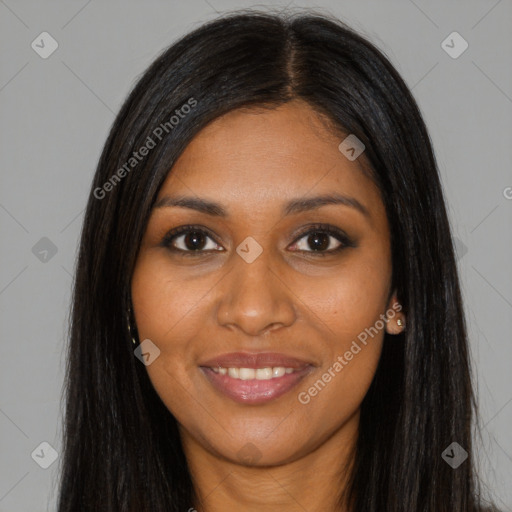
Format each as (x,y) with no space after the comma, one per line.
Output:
(253,297)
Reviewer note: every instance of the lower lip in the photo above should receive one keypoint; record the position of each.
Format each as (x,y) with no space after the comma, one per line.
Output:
(255,391)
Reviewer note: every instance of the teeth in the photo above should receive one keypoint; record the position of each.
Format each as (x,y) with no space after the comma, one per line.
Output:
(264,373)
(279,371)
(254,373)
(246,373)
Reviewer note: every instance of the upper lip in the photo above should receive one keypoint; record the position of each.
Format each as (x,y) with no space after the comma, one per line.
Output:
(255,360)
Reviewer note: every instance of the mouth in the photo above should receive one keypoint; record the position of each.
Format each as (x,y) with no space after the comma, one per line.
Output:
(255,378)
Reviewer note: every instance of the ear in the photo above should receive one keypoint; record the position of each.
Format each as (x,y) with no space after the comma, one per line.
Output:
(395,315)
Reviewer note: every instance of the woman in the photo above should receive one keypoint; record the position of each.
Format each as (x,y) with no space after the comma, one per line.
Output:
(267,312)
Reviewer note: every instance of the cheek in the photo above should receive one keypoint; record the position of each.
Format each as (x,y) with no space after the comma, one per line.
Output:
(347,312)
(169,309)
(163,301)
(352,341)
(350,299)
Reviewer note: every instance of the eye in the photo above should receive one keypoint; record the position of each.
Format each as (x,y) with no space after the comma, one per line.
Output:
(189,241)
(322,238)
(193,240)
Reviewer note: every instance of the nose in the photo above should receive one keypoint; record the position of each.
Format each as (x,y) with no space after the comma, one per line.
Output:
(254,298)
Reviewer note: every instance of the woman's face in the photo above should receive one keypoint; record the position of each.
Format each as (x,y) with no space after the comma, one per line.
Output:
(270,274)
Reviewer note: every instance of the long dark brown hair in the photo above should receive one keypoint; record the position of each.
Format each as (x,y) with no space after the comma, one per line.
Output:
(122,449)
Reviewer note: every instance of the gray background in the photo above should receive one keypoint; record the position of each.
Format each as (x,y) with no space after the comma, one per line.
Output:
(55,115)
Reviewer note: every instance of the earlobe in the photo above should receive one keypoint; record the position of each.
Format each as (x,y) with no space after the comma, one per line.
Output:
(396,320)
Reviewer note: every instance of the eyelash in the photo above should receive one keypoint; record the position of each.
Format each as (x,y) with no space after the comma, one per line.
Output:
(314,228)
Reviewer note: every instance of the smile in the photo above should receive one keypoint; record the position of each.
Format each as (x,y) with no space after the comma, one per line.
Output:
(254,373)
(254,385)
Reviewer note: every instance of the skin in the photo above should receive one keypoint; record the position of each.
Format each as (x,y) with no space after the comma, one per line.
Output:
(289,300)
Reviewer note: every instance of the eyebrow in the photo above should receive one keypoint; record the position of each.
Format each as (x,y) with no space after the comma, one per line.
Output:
(294,206)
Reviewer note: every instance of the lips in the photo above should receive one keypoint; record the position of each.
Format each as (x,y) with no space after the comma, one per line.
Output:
(255,360)
(254,391)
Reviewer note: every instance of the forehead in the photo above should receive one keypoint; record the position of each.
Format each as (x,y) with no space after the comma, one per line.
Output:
(262,157)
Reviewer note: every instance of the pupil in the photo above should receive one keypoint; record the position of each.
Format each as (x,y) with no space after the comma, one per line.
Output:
(315,241)
(191,240)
